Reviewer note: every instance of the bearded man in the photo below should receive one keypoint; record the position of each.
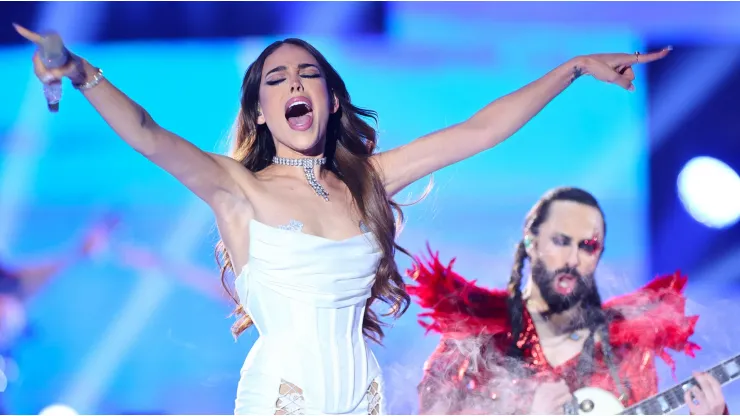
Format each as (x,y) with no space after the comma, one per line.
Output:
(526,350)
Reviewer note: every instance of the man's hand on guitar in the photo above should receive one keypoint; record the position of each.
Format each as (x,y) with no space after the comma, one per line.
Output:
(550,398)
(707,399)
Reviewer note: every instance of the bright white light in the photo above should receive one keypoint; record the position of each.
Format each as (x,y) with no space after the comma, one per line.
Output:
(58,410)
(710,192)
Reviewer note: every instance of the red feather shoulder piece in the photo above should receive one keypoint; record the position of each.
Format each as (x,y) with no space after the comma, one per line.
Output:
(457,307)
(654,318)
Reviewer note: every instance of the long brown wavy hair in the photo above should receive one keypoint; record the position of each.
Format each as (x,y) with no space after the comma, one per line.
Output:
(350,141)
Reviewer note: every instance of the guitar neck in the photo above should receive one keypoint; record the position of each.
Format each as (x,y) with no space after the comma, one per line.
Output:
(673,398)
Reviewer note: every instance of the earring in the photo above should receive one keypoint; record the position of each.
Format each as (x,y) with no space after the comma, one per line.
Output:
(527,241)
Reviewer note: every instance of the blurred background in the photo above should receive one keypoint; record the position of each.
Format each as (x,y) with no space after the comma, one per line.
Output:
(129,319)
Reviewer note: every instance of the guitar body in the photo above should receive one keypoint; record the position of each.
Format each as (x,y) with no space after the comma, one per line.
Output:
(596,401)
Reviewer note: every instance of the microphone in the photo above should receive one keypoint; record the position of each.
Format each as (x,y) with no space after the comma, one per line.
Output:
(54,55)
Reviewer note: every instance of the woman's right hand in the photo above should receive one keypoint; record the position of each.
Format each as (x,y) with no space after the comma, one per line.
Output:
(74,69)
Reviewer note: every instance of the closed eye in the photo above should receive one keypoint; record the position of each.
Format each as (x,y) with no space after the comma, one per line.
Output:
(280,80)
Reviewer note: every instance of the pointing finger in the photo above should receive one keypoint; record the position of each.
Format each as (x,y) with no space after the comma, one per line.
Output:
(32,36)
(639,58)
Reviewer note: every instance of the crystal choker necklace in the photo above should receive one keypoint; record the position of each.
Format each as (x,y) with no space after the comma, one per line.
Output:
(307,164)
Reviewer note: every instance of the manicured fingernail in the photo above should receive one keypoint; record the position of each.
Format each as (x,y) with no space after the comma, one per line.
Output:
(668,48)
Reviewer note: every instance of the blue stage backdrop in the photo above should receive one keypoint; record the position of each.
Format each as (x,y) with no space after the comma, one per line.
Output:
(112,338)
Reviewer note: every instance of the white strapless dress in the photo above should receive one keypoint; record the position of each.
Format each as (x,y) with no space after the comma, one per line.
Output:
(306,296)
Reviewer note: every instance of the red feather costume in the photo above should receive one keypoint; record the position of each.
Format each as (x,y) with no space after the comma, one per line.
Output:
(653,321)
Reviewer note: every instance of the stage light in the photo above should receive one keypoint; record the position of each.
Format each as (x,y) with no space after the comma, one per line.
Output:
(58,410)
(710,192)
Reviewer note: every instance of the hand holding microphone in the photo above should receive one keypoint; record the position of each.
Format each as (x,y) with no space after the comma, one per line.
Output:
(52,62)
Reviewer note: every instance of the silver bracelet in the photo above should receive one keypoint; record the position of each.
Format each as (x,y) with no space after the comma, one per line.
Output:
(92,83)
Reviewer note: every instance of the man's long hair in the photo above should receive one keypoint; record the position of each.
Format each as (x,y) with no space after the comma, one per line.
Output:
(596,318)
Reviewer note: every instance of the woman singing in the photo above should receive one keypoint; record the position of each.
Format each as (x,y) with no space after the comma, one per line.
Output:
(304,210)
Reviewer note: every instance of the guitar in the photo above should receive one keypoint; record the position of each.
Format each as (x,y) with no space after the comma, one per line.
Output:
(592,400)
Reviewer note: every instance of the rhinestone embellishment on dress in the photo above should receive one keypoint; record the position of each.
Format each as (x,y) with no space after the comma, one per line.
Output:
(307,164)
(292,225)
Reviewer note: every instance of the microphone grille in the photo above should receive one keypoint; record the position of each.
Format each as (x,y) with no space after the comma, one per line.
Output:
(52,51)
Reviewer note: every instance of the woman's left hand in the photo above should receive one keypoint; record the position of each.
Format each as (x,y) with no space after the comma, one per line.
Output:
(616,68)
(707,398)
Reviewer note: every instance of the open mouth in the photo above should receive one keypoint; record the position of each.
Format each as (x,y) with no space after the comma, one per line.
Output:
(299,113)
(565,284)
